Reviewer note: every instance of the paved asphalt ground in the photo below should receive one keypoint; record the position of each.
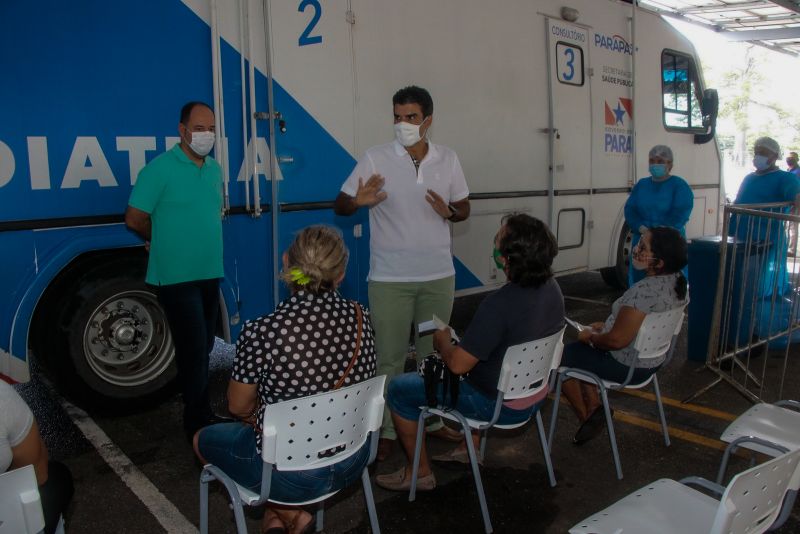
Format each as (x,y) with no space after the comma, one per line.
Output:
(135,473)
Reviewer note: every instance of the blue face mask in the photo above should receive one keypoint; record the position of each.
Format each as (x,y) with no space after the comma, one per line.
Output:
(760,162)
(658,170)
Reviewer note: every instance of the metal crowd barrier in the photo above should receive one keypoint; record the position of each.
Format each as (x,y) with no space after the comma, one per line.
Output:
(755,316)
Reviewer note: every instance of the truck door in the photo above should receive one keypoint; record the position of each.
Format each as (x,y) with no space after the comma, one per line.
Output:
(309,43)
(570,141)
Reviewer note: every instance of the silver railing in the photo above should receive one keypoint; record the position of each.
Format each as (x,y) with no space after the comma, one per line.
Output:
(755,314)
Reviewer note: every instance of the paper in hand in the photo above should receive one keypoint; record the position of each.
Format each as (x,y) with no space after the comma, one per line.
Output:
(429,327)
(576,325)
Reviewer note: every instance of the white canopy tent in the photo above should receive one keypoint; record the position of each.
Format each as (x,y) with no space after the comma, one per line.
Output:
(774,24)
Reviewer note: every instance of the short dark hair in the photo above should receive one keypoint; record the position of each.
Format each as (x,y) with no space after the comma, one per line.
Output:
(668,245)
(186,110)
(414,95)
(529,247)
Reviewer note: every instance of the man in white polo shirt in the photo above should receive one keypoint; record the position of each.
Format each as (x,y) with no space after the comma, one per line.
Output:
(412,188)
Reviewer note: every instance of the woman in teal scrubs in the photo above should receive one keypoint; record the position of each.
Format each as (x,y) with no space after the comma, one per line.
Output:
(661,199)
(766,185)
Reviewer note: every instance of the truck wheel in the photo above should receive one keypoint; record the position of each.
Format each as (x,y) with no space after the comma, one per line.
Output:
(119,343)
(617,275)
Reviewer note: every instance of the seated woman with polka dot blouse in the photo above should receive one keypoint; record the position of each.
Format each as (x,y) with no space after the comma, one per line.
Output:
(304,347)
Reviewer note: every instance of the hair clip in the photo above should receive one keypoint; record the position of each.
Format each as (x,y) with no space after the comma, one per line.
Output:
(298,276)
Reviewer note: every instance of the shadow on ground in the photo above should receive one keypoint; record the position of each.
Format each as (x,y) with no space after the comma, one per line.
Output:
(517,502)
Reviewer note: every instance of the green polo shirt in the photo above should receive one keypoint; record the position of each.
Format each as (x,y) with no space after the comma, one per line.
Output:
(185,206)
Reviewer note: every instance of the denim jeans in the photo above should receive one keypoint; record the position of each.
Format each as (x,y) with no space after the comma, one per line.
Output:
(192,310)
(602,363)
(407,394)
(232,448)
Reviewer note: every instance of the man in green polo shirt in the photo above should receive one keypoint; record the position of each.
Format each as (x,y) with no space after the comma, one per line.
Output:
(176,207)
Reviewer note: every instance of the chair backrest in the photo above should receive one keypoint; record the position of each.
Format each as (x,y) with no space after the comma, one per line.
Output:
(527,367)
(656,333)
(322,429)
(20,504)
(753,498)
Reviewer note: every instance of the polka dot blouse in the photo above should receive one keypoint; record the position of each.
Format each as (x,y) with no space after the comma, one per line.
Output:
(303,348)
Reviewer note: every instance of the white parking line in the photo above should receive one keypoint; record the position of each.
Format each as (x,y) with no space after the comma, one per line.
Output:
(162,509)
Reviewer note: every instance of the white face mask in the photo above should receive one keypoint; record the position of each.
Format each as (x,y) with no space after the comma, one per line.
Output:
(639,265)
(202,142)
(408,134)
(760,162)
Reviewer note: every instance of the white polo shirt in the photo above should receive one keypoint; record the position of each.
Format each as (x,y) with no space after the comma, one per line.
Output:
(409,241)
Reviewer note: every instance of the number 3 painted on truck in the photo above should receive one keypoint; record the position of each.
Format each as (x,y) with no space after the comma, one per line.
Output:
(570,64)
(305,38)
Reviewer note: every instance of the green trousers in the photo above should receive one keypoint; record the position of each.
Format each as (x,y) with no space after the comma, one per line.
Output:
(395,307)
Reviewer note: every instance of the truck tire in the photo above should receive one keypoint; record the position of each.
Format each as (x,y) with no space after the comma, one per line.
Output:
(120,351)
(616,276)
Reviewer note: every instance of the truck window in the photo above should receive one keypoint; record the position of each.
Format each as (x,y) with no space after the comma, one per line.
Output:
(681,89)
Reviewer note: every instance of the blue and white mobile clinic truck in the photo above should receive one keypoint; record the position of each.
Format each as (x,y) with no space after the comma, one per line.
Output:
(551,107)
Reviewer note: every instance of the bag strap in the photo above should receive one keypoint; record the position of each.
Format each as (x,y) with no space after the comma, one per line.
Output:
(355,352)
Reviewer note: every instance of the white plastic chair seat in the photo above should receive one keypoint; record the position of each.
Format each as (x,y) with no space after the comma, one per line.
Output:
(250,497)
(524,373)
(663,507)
(608,384)
(20,502)
(653,341)
(306,433)
(476,423)
(769,422)
(751,503)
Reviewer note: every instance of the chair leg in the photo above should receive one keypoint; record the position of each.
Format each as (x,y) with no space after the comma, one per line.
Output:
(484,435)
(373,514)
(209,473)
(661,411)
(476,473)
(612,438)
(319,517)
(723,465)
(204,480)
(554,414)
(545,450)
(412,494)
(238,514)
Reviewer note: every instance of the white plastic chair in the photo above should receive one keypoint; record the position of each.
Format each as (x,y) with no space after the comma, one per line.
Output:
(525,372)
(20,503)
(750,504)
(653,341)
(770,429)
(308,433)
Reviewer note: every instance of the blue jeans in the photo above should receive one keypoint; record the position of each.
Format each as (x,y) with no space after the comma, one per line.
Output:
(407,393)
(232,448)
(602,363)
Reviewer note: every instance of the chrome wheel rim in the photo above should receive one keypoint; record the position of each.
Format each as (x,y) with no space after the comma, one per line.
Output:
(127,341)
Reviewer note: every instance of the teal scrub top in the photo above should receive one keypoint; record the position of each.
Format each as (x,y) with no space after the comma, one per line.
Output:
(185,206)
(665,203)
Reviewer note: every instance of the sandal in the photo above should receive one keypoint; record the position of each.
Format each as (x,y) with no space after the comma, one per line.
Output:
(271,517)
(591,427)
(456,455)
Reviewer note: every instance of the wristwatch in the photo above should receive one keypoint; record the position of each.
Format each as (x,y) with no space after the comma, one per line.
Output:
(453,212)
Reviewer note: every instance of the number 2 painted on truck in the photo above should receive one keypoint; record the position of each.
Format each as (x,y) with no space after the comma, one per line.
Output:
(306,38)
